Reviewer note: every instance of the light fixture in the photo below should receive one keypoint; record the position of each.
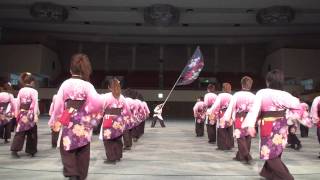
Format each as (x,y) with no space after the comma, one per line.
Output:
(275,15)
(47,11)
(161,15)
(160,95)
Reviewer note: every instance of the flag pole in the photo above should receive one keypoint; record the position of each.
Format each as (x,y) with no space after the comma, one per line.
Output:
(165,101)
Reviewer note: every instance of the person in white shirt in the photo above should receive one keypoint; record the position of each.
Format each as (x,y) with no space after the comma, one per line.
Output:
(157,116)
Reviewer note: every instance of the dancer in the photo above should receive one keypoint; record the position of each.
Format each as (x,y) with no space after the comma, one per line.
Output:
(138,128)
(209,99)
(7,110)
(55,129)
(272,103)
(27,112)
(127,134)
(157,116)
(116,115)
(77,107)
(315,115)
(225,132)
(199,113)
(238,108)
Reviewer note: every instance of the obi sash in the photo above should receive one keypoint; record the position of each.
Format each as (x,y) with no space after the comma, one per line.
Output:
(267,119)
(25,118)
(239,119)
(79,130)
(71,107)
(108,114)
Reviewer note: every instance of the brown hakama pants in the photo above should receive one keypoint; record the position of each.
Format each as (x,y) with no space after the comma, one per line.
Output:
(244,146)
(230,135)
(5,131)
(275,169)
(224,141)
(75,162)
(127,138)
(211,131)
(32,140)
(135,132)
(54,138)
(199,129)
(113,148)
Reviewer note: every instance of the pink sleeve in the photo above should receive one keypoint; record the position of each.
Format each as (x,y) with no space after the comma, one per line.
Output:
(314,110)
(58,105)
(52,105)
(195,109)
(252,116)
(231,108)
(35,103)
(94,100)
(147,108)
(17,104)
(216,106)
(12,103)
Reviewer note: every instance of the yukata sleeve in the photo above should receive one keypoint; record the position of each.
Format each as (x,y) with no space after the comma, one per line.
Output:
(195,110)
(252,116)
(296,110)
(231,109)
(215,108)
(314,110)
(12,104)
(58,106)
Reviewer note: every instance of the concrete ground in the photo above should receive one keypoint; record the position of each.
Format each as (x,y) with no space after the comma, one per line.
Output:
(162,153)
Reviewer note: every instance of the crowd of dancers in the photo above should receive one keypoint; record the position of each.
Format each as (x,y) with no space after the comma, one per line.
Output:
(77,111)
(270,112)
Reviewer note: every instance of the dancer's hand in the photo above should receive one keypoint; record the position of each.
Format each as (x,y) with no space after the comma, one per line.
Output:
(252,131)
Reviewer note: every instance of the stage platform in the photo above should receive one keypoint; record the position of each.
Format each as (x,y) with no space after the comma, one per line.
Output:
(162,153)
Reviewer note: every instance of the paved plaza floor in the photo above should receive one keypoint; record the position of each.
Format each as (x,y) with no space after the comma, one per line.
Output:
(162,153)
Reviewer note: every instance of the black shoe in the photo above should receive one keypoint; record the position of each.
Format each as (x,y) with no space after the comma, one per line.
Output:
(32,154)
(135,139)
(15,155)
(127,148)
(299,146)
(6,141)
(211,142)
(110,162)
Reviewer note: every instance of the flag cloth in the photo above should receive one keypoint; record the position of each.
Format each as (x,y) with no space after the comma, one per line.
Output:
(192,69)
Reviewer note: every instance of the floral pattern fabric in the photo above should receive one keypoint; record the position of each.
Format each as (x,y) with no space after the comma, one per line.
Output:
(79,131)
(26,120)
(118,121)
(199,112)
(272,146)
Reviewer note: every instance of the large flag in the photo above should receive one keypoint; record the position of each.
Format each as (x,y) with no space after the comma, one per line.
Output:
(192,69)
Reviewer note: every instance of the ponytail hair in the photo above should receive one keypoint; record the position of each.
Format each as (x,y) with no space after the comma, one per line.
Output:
(115,87)
(26,78)
(80,65)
